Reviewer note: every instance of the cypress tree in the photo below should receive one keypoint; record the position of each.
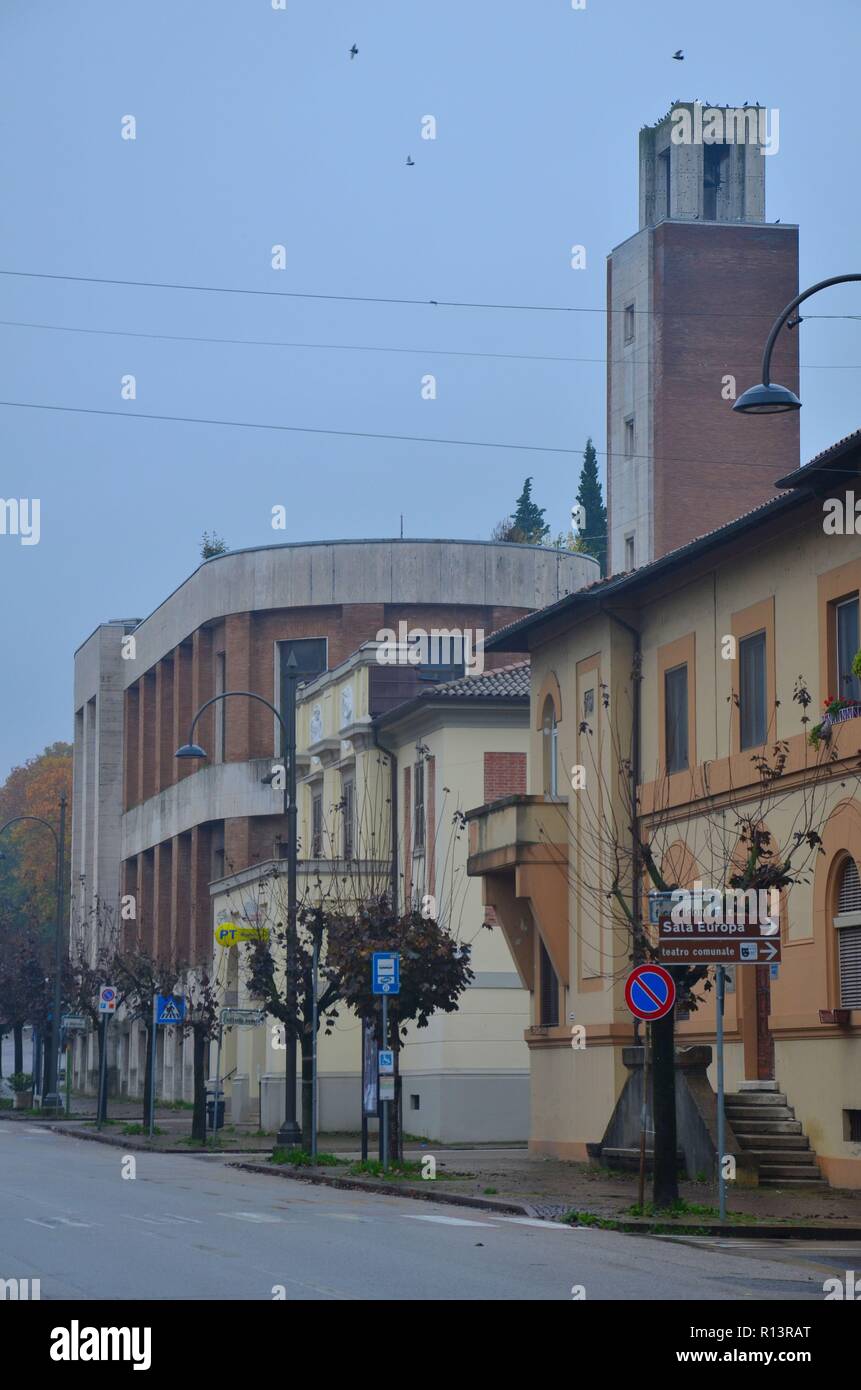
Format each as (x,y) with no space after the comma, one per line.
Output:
(589,497)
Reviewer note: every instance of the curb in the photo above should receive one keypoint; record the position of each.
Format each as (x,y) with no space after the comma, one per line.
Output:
(422,1194)
(633,1226)
(638,1226)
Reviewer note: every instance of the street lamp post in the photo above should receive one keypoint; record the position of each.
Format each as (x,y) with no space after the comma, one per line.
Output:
(51,1098)
(290,1133)
(768,398)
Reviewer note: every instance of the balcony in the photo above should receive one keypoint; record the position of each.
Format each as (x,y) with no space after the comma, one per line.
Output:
(519,847)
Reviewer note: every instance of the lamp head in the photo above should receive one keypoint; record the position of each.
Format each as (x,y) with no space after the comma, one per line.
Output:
(191,750)
(767,400)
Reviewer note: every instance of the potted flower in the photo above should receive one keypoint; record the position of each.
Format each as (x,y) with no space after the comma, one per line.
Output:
(835,710)
(22,1084)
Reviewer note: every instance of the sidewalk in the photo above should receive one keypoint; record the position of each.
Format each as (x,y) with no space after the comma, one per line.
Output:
(547,1187)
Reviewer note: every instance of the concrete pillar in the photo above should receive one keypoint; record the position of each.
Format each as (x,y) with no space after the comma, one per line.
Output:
(165,746)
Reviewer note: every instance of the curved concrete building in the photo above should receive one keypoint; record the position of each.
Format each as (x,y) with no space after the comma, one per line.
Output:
(158,829)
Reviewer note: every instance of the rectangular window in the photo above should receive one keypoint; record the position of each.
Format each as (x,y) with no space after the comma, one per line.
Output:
(548,1000)
(629,323)
(317,825)
(347,811)
(852,1126)
(311,657)
(629,552)
(221,706)
(753,719)
(629,437)
(419,814)
(848,685)
(676,718)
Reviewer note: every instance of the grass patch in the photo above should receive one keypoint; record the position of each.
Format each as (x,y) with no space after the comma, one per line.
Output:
(491,1191)
(300,1158)
(588,1218)
(140,1129)
(397,1172)
(682,1208)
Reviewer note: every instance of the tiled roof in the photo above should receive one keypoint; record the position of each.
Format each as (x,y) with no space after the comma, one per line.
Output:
(507,682)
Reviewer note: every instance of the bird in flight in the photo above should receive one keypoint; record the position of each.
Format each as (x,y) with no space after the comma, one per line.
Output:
(679,56)
(353,51)
(410,160)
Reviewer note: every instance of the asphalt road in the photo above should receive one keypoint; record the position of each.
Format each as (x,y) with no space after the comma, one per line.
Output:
(192,1228)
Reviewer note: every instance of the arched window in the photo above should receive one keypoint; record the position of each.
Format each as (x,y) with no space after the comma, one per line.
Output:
(847,924)
(551,751)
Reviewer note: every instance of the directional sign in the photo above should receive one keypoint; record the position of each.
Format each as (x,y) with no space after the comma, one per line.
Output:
(702,951)
(170,1009)
(660,903)
(724,931)
(386,1062)
(386,973)
(243,1018)
(73,1023)
(107,1000)
(650,992)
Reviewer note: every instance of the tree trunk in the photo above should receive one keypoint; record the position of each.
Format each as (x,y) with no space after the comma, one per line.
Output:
(148,1077)
(306,1043)
(18,1038)
(665,1189)
(198,1118)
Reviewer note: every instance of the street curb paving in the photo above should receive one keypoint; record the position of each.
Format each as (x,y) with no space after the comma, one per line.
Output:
(421,1194)
(511,1208)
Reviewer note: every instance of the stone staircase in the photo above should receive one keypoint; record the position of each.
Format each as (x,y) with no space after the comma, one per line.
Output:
(765,1126)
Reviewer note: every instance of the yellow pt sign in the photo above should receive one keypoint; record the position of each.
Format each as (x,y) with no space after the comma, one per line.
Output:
(228,933)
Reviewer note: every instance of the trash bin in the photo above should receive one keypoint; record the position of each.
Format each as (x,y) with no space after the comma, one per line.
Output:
(211,1121)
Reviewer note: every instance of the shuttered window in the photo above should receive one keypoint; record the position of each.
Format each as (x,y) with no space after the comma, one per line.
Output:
(752,695)
(676,718)
(849,937)
(548,1002)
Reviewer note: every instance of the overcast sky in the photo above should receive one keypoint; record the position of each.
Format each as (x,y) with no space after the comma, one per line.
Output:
(255,128)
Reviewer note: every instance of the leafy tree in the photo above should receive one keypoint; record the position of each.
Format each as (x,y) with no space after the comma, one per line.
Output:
(593,534)
(202,1020)
(528,519)
(211,545)
(139,976)
(34,789)
(434,972)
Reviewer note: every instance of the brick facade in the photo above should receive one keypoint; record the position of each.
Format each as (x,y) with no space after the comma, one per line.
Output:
(504,775)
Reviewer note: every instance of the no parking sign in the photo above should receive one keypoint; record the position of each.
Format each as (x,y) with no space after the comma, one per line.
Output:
(650,992)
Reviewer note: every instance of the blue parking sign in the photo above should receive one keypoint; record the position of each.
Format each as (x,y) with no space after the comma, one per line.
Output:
(386,972)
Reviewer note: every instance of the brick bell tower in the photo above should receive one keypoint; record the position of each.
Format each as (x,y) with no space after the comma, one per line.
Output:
(691,297)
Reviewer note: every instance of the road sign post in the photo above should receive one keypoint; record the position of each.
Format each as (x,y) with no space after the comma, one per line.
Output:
(721,1117)
(385,980)
(102,1103)
(152,1065)
(217,1085)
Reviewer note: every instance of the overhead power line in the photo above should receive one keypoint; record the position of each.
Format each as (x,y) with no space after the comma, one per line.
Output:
(381,299)
(369,347)
(370,434)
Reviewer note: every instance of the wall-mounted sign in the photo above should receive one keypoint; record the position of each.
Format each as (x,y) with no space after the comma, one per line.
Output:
(230,933)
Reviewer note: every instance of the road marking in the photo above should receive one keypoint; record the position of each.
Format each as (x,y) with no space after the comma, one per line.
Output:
(54,1221)
(345,1216)
(257,1216)
(448,1221)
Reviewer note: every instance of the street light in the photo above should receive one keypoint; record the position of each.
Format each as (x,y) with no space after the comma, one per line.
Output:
(51,1098)
(290,1133)
(768,398)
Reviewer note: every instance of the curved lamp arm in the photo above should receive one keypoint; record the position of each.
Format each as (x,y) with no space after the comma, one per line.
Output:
(781,320)
(225,694)
(39,821)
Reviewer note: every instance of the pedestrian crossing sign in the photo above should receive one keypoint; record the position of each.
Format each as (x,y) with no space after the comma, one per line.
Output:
(170,1009)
